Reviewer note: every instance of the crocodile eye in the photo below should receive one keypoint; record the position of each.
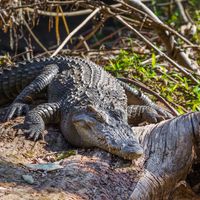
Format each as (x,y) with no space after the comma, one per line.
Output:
(91,108)
(99,115)
(118,114)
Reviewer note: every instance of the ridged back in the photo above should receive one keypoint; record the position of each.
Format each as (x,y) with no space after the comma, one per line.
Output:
(84,74)
(16,78)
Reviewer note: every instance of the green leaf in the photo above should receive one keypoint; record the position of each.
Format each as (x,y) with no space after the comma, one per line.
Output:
(153,60)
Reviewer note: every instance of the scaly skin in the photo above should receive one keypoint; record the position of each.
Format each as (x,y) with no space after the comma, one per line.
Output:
(90,104)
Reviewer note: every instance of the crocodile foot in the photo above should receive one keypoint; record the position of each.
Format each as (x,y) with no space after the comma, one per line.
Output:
(33,127)
(16,109)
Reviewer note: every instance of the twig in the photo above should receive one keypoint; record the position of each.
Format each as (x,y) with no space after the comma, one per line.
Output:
(65,22)
(177,105)
(21,54)
(171,30)
(107,37)
(133,21)
(158,50)
(70,14)
(54,14)
(84,42)
(2,18)
(75,31)
(87,37)
(182,11)
(196,47)
(35,38)
(63,2)
(149,60)
(148,90)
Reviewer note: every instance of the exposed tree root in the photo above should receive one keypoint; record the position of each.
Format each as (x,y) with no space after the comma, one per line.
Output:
(168,155)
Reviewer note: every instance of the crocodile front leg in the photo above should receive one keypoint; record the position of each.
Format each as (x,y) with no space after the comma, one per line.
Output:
(138,114)
(40,82)
(36,119)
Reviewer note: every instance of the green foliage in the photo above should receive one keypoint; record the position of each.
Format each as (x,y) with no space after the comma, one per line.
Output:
(170,84)
(173,20)
(194,3)
(66,154)
(153,60)
(124,62)
(196,37)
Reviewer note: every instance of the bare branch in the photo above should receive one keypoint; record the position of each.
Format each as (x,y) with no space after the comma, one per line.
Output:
(75,31)
(54,14)
(35,38)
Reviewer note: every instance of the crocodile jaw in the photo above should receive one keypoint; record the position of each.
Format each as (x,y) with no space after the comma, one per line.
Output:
(114,136)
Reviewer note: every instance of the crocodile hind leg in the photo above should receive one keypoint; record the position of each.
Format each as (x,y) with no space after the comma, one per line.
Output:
(138,114)
(135,97)
(40,82)
(36,119)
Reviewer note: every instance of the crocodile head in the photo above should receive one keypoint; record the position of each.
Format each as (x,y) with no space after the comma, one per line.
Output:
(106,130)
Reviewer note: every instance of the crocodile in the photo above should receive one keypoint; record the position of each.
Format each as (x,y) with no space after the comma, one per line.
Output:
(93,108)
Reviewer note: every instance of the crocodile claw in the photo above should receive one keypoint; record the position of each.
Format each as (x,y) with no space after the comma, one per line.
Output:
(163,113)
(33,131)
(153,117)
(16,109)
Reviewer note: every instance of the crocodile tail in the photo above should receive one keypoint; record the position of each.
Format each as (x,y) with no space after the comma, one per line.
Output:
(14,79)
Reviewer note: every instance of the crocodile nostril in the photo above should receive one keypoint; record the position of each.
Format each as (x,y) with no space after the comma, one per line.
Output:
(131,145)
(132,149)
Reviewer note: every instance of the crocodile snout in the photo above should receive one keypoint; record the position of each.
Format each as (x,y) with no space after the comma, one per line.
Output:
(132,151)
(128,149)
(113,136)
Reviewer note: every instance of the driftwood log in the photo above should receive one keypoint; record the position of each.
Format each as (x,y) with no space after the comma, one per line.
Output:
(168,155)
(94,174)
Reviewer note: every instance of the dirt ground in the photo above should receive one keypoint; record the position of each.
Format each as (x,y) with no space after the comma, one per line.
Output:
(89,174)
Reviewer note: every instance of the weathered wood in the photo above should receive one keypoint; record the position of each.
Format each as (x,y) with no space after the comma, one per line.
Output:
(168,155)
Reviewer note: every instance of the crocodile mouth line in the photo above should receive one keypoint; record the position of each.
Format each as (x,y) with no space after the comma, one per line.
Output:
(118,150)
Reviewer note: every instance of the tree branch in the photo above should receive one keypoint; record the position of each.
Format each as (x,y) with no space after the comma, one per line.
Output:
(75,31)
